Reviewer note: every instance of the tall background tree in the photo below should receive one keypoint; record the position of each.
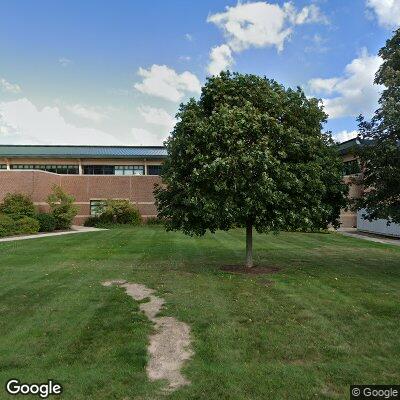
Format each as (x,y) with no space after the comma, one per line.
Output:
(251,154)
(380,154)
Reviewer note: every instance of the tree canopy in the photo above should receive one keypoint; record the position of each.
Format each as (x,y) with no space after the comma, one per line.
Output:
(250,153)
(380,153)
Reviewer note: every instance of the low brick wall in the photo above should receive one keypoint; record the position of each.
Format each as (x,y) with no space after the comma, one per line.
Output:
(137,189)
(38,185)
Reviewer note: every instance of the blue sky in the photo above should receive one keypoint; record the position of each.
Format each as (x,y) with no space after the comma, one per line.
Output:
(102,72)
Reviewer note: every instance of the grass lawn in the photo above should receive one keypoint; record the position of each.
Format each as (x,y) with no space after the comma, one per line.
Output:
(329,319)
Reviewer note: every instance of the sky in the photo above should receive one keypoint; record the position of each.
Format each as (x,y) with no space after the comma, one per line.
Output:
(114,72)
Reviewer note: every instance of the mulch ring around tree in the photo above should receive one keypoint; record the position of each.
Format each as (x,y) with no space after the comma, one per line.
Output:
(256,270)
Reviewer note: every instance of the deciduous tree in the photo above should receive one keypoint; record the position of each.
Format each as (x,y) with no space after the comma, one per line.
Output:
(380,153)
(250,153)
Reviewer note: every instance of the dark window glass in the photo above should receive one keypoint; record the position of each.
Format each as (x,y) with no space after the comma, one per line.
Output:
(73,169)
(154,169)
(129,170)
(3,166)
(57,169)
(351,167)
(98,170)
(62,169)
(87,169)
(113,170)
(97,206)
(109,170)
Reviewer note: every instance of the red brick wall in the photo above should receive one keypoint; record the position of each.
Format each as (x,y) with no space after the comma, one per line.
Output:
(38,184)
(138,189)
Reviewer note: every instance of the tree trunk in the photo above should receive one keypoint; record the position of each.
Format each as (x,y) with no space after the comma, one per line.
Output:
(249,245)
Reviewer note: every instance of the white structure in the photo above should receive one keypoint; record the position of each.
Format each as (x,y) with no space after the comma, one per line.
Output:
(378,226)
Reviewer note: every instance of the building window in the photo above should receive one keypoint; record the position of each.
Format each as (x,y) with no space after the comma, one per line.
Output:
(351,167)
(3,166)
(57,169)
(98,169)
(97,207)
(113,170)
(129,170)
(154,169)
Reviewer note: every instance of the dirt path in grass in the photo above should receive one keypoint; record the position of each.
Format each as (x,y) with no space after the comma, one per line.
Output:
(170,345)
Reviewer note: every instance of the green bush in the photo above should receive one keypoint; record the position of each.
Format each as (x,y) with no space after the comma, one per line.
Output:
(62,207)
(46,221)
(115,212)
(17,205)
(99,222)
(26,225)
(120,212)
(7,225)
(93,221)
(154,221)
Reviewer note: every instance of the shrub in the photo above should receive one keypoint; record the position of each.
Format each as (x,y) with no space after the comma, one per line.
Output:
(7,225)
(154,221)
(46,221)
(17,205)
(26,225)
(120,212)
(62,207)
(99,221)
(93,221)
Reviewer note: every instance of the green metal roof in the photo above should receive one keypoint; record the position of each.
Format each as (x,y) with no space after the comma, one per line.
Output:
(349,145)
(83,151)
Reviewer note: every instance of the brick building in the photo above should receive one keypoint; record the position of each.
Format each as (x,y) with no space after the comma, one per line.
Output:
(351,175)
(351,172)
(91,174)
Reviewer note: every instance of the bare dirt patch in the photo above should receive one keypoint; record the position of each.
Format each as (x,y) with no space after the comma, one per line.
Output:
(256,270)
(170,345)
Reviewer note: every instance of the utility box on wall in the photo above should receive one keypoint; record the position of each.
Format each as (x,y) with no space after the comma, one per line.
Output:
(378,226)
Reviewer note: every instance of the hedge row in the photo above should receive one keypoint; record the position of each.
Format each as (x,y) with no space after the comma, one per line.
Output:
(23,225)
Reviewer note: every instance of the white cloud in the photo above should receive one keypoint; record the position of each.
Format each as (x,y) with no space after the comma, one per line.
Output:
(355,92)
(64,61)
(344,135)
(188,37)
(162,81)
(326,86)
(386,11)
(261,24)
(220,59)
(90,113)
(142,137)
(8,87)
(185,58)
(21,122)
(307,15)
(157,116)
